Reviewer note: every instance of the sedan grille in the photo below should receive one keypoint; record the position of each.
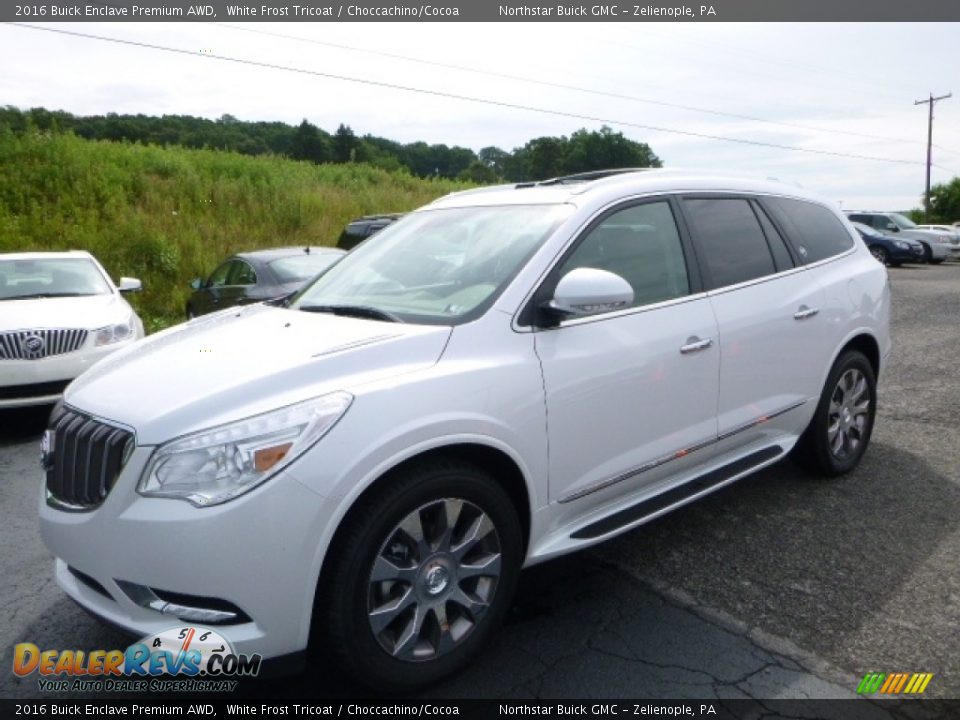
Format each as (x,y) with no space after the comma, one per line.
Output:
(84,458)
(37,344)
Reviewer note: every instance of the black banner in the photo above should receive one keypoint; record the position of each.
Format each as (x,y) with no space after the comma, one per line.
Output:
(200,707)
(479,10)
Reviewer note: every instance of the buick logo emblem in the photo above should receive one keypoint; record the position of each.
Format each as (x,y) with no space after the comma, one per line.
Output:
(34,345)
(46,450)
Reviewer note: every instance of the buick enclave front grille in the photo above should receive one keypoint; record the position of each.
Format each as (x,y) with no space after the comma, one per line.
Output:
(38,344)
(83,459)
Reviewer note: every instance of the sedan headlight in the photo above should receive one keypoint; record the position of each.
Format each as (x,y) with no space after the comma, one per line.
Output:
(212,466)
(113,333)
(902,245)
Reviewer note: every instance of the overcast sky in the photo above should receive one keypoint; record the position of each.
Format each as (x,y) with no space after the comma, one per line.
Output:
(840,82)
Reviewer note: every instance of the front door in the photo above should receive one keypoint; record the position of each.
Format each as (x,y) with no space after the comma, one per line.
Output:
(630,392)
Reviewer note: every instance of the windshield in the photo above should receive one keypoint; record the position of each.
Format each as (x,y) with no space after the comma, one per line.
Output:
(435,266)
(54,277)
(902,222)
(302,267)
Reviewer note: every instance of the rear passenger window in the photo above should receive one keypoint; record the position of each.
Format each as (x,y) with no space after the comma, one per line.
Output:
(817,231)
(640,244)
(730,242)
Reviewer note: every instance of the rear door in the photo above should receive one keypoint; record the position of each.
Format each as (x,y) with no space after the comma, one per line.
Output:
(772,337)
(630,394)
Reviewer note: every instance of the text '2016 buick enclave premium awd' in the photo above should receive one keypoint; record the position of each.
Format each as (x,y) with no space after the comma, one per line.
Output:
(501,377)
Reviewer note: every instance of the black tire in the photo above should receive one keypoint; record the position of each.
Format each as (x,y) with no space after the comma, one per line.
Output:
(936,262)
(881,254)
(896,264)
(370,533)
(190,313)
(815,449)
(927,253)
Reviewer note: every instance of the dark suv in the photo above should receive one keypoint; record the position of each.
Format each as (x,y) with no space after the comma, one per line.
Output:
(360,229)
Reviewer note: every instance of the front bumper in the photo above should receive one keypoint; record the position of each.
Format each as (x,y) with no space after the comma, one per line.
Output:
(41,382)
(902,255)
(258,552)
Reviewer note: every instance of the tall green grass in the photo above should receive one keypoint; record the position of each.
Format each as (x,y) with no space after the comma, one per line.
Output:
(167,215)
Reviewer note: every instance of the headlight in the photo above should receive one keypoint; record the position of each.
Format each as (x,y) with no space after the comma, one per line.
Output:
(212,466)
(902,245)
(113,333)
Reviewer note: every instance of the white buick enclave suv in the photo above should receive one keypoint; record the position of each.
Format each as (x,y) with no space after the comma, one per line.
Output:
(504,376)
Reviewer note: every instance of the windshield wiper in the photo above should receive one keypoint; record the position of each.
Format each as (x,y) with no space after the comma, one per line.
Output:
(361,311)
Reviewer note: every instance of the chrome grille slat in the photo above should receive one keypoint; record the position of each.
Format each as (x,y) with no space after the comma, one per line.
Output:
(88,455)
(54,341)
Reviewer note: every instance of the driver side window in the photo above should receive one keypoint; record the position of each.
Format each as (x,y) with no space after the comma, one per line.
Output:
(640,244)
(219,276)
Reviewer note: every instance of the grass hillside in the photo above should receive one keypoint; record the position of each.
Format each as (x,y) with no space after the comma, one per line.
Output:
(167,215)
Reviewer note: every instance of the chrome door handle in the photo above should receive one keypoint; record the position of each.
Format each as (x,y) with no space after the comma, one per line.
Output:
(804,312)
(694,344)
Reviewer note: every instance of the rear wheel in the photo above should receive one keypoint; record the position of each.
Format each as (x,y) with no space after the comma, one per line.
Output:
(880,254)
(840,430)
(927,253)
(422,575)
(937,261)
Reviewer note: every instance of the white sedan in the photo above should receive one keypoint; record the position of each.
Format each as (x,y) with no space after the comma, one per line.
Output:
(59,314)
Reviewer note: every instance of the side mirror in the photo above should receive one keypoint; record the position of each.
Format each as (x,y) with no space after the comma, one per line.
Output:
(128,285)
(588,291)
(892,228)
(196,283)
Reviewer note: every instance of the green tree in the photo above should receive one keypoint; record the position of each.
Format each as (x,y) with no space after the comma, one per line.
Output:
(606,149)
(478,172)
(945,202)
(309,145)
(344,144)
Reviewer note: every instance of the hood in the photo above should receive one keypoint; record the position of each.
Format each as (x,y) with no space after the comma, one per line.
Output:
(241,362)
(920,234)
(90,312)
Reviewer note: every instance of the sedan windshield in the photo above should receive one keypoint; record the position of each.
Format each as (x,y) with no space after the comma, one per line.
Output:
(302,267)
(54,277)
(902,221)
(435,266)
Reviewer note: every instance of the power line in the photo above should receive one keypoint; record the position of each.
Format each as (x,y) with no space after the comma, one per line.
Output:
(561,86)
(455,96)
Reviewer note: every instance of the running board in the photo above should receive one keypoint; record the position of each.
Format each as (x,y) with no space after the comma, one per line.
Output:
(678,494)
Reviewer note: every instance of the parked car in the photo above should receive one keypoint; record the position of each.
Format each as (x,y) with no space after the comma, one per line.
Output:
(951,232)
(59,314)
(259,275)
(888,249)
(936,245)
(376,460)
(360,229)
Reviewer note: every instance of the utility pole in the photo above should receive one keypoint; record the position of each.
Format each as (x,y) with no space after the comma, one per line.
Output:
(930,102)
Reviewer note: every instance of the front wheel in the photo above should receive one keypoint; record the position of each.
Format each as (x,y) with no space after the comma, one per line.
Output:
(927,253)
(422,575)
(880,254)
(938,261)
(840,430)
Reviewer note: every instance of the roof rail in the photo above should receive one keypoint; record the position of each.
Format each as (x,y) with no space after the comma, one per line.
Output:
(581,177)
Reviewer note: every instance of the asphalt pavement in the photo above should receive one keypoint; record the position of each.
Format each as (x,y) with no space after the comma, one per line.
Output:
(780,586)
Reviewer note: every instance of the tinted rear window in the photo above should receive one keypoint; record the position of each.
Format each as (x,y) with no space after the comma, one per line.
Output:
(729,240)
(817,232)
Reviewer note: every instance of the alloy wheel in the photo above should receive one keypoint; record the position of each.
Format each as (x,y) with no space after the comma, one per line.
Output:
(433,579)
(848,414)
